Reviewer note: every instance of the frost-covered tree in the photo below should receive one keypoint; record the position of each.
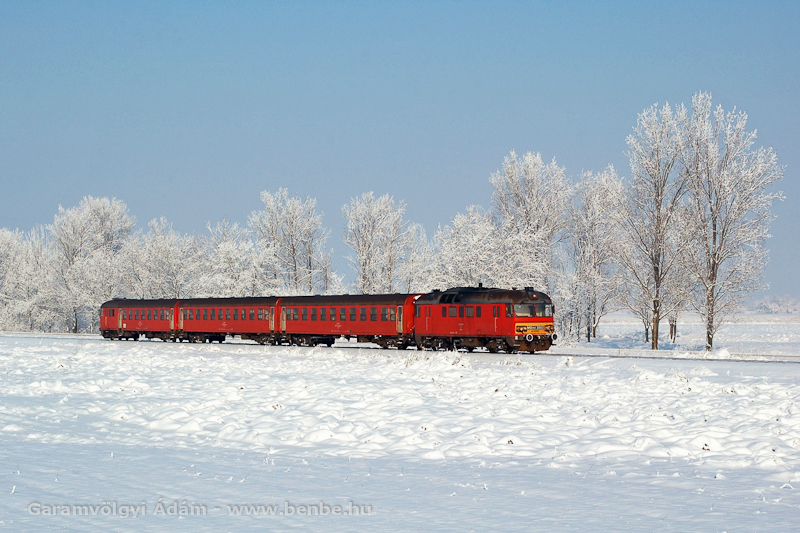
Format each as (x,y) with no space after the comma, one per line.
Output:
(86,240)
(234,266)
(416,272)
(13,274)
(291,231)
(467,251)
(569,297)
(650,246)
(729,208)
(774,304)
(529,204)
(380,238)
(38,299)
(593,243)
(162,263)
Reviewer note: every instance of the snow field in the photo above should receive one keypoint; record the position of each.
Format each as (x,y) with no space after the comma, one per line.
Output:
(650,433)
(744,334)
(369,403)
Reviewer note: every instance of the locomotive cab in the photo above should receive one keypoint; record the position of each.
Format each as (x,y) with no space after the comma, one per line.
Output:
(533,322)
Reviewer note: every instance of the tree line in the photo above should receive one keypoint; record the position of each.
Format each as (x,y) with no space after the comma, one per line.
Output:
(685,232)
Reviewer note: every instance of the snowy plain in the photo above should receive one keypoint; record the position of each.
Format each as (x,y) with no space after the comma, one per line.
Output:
(430,441)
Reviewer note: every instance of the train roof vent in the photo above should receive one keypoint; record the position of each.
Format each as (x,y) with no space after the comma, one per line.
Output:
(530,289)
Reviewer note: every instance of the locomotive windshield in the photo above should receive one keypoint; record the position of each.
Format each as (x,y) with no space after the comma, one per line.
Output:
(533,310)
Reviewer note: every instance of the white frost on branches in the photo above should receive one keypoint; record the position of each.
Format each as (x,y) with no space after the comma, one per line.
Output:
(529,205)
(728,209)
(466,251)
(380,239)
(592,247)
(290,230)
(648,215)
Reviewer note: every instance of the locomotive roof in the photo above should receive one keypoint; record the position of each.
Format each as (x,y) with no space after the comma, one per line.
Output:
(482,295)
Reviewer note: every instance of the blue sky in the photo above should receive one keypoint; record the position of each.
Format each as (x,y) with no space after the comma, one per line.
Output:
(189,110)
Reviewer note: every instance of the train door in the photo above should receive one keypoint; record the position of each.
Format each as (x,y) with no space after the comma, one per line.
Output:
(496,315)
(172,319)
(272,319)
(283,320)
(181,313)
(400,319)
(119,318)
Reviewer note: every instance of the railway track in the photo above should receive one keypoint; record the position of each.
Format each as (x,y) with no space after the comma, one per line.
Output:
(693,356)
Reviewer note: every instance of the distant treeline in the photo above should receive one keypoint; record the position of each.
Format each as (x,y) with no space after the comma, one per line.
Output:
(686,231)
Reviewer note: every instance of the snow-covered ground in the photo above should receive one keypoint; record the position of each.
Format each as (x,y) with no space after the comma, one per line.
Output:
(743,335)
(419,440)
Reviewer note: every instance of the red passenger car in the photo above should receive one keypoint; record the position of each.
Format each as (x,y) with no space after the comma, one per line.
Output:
(385,319)
(212,319)
(129,319)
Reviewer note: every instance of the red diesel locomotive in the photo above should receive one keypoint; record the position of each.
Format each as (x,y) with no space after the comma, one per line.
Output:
(464,317)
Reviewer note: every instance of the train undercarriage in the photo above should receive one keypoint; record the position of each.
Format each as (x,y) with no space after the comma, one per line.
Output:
(537,343)
(528,343)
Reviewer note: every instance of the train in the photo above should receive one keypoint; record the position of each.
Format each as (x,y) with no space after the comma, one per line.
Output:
(507,320)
